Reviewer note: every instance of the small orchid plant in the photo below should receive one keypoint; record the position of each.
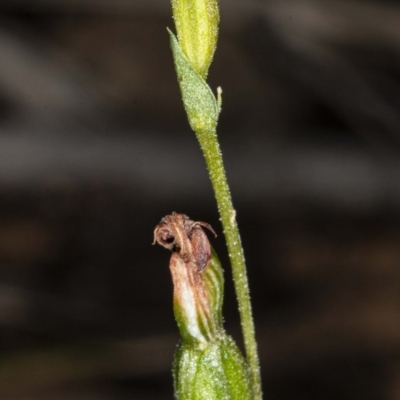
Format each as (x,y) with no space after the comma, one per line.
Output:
(208,365)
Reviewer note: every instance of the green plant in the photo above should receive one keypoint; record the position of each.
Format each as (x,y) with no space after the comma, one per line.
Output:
(197,23)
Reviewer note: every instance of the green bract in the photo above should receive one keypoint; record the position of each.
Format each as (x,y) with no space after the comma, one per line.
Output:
(218,372)
(198,99)
(196,23)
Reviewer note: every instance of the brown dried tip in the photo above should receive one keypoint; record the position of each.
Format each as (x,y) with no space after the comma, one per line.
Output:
(178,233)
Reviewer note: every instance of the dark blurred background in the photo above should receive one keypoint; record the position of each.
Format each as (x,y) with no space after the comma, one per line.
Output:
(95,149)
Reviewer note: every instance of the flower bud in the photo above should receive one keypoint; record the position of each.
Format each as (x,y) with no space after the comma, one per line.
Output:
(196,23)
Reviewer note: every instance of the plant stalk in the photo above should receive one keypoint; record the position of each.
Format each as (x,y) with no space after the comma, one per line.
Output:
(211,150)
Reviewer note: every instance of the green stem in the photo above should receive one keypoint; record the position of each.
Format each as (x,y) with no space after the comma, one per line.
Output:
(210,146)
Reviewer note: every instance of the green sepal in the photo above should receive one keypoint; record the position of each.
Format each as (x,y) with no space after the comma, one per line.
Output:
(199,101)
(213,278)
(218,372)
